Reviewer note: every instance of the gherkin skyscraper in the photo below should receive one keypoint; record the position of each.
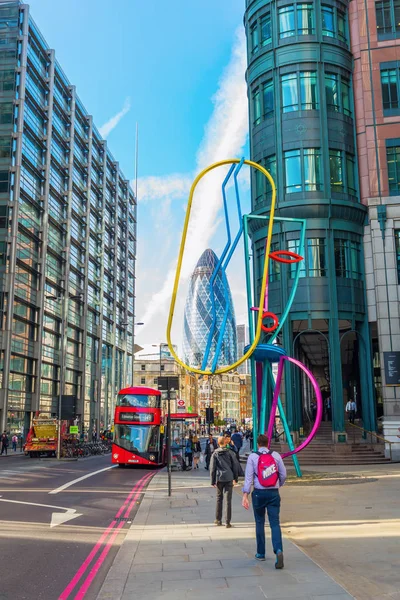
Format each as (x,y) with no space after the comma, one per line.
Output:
(198,317)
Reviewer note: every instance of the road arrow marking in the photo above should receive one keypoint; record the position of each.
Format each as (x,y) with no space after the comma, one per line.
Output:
(56,518)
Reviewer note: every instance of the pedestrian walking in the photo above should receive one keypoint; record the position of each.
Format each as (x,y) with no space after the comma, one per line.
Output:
(4,442)
(266,473)
(237,439)
(223,471)
(351,408)
(196,447)
(329,408)
(14,441)
(189,452)
(211,445)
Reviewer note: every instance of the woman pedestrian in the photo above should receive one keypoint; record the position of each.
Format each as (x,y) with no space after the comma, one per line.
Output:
(14,440)
(196,451)
(189,452)
(211,445)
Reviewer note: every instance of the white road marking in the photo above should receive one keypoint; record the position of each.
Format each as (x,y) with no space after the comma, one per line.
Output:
(67,485)
(56,518)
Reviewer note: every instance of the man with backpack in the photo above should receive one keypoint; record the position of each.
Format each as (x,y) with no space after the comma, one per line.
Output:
(266,473)
(224,470)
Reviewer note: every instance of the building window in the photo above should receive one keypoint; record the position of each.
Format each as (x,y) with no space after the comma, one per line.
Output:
(254,38)
(303,170)
(388,19)
(342,172)
(155,381)
(296,20)
(263,189)
(390,90)
(143,367)
(162,367)
(142,380)
(397,242)
(299,91)
(286,22)
(316,261)
(4,181)
(347,259)
(266,33)
(268,98)
(334,23)
(294,246)
(274,266)
(256,108)
(5,147)
(337,93)
(393,163)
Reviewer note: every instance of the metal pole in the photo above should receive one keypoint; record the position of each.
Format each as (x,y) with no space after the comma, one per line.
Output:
(169,441)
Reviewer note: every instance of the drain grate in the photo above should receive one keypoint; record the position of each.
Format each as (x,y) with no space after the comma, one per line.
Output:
(124,519)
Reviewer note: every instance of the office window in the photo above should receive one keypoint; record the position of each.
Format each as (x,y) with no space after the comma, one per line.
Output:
(4,181)
(305,19)
(263,188)
(303,170)
(316,261)
(312,170)
(296,19)
(333,23)
(270,165)
(290,97)
(294,246)
(142,380)
(256,108)
(274,266)
(388,19)
(347,259)
(5,147)
(266,32)
(328,21)
(397,243)
(254,38)
(268,98)
(337,93)
(299,91)
(293,171)
(143,367)
(286,22)
(342,172)
(308,90)
(393,163)
(390,89)
(6,113)
(162,367)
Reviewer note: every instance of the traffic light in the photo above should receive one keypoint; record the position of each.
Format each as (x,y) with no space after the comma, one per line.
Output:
(209,415)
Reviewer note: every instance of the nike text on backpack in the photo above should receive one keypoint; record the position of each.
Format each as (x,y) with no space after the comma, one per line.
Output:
(267,470)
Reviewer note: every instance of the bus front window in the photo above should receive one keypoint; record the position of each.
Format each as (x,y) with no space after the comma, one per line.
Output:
(137,438)
(139,400)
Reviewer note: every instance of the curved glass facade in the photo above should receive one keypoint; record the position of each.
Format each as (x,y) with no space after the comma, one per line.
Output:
(198,315)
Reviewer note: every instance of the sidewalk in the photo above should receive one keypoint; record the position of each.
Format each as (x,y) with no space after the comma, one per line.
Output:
(10,453)
(173,552)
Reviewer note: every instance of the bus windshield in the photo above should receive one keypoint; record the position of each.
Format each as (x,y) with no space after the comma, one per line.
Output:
(138,438)
(139,400)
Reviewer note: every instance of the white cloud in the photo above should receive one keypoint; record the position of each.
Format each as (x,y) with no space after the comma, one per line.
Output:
(107,128)
(155,188)
(224,137)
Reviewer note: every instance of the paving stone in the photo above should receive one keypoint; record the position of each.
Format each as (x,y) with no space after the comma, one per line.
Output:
(200,584)
(155,560)
(192,565)
(141,578)
(227,572)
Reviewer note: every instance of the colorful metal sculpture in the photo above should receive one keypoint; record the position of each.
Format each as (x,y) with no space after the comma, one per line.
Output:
(262,355)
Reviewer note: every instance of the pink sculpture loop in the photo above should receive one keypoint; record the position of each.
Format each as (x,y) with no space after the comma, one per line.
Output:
(275,403)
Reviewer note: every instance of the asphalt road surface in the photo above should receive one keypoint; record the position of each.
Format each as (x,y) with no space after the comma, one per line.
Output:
(59,536)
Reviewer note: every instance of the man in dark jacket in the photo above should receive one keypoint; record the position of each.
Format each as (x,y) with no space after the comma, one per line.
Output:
(224,470)
(211,445)
(237,440)
(4,442)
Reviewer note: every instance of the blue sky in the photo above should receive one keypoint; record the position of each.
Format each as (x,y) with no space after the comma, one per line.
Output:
(160,63)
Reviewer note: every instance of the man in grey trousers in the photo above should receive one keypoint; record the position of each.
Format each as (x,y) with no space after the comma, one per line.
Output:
(224,470)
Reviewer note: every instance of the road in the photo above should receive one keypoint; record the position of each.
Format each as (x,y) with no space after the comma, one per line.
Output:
(59,536)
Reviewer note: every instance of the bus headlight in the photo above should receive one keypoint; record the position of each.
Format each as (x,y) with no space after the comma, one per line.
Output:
(152,457)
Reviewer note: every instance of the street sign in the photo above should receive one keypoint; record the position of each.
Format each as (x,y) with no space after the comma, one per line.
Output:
(180,403)
(73,429)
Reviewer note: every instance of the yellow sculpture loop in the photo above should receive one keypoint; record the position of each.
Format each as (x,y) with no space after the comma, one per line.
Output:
(250,351)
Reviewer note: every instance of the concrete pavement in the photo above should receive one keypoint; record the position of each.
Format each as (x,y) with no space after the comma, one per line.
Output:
(173,551)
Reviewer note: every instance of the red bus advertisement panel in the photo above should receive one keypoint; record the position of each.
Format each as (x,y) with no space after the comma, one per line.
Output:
(138,428)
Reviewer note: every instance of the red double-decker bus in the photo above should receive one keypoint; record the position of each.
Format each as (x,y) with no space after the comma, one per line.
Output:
(138,428)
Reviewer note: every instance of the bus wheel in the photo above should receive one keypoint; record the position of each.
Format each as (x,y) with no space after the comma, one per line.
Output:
(121,465)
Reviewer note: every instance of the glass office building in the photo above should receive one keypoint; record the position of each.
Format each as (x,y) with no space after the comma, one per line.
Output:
(303,130)
(199,311)
(67,241)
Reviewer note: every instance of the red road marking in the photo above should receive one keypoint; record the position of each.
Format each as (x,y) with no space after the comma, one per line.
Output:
(86,584)
(83,568)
